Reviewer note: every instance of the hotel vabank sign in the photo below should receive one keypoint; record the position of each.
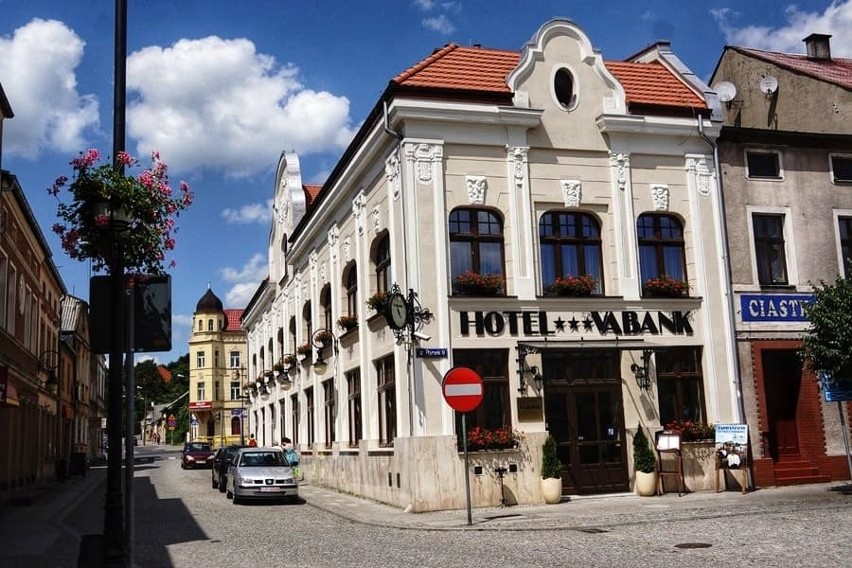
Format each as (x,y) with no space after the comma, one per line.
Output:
(542,324)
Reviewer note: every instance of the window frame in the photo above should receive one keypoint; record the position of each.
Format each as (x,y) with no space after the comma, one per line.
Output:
(330,411)
(354,407)
(386,398)
(200,359)
(680,381)
(844,267)
(579,243)
(310,410)
(382,263)
(572,97)
(660,244)
(846,158)
(493,366)
(476,241)
(763,152)
(350,288)
(760,245)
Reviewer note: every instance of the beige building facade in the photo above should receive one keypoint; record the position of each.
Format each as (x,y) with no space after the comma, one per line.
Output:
(483,185)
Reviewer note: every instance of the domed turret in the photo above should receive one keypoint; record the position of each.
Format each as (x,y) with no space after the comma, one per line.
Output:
(209,303)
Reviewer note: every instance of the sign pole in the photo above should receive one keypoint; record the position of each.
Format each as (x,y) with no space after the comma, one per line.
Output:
(466,469)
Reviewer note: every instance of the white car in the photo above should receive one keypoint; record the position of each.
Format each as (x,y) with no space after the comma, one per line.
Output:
(261,473)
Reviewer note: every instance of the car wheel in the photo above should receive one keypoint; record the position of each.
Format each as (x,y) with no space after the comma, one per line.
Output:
(237,500)
(222,484)
(228,494)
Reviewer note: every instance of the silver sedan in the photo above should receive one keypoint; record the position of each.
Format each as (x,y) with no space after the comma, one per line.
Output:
(261,473)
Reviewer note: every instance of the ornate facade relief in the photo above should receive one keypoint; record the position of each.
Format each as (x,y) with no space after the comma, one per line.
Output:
(704,174)
(358,205)
(518,156)
(476,186)
(392,172)
(621,162)
(376,216)
(423,156)
(333,239)
(571,192)
(660,196)
(347,249)
(312,261)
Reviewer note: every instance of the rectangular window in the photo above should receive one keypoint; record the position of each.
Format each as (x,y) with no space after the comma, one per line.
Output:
(11,300)
(330,412)
(845,229)
(769,249)
(202,393)
(353,385)
(200,360)
(763,165)
(3,290)
(235,390)
(234,360)
(841,169)
(493,366)
(294,404)
(386,381)
(309,415)
(680,384)
(216,358)
(216,389)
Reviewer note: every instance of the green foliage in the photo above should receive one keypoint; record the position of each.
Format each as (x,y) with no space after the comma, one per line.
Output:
(551,467)
(828,343)
(643,457)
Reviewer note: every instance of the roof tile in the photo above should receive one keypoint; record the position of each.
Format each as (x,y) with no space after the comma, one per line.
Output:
(836,70)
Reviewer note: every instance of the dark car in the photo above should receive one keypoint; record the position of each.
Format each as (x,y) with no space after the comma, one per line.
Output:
(196,454)
(221,461)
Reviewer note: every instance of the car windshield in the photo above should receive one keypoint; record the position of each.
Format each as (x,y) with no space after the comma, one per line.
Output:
(198,448)
(262,459)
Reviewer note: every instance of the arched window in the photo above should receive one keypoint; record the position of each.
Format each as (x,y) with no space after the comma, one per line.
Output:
(476,251)
(382,261)
(307,321)
(292,330)
(210,325)
(350,285)
(271,353)
(200,325)
(325,304)
(661,248)
(570,246)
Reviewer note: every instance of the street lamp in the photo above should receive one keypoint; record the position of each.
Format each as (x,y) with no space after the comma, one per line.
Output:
(321,339)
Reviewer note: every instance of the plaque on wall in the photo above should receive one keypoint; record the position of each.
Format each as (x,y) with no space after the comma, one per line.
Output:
(530,409)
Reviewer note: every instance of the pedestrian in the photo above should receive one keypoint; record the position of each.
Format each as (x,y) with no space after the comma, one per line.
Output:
(292,456)
(252,442)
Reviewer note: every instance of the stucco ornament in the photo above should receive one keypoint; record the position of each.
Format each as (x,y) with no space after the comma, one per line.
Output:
(333,239)
(376,215)
(312,260)
(347,249)
(392,172)
(424,154)
(476,186)
(660,196)
(705,174)
(518,155)
(358,205)
(571,192)
(622,166)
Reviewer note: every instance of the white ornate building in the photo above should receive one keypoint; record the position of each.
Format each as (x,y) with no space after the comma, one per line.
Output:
(515,169)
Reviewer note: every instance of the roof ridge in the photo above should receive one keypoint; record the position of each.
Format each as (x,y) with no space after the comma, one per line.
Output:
(426,62)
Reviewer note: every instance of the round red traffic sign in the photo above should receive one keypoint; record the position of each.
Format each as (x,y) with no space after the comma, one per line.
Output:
(462,388)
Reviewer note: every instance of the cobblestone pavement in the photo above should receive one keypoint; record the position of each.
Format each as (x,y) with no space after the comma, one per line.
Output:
(46,531)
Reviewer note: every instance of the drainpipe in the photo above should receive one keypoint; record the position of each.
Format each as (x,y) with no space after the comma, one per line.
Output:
(723,227)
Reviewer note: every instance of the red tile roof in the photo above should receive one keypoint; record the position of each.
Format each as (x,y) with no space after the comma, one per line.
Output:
(311,192)
(165,374)
(233,319)
(837,71)
(485,70)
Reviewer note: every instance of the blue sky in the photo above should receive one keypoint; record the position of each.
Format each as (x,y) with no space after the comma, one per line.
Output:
(221,88)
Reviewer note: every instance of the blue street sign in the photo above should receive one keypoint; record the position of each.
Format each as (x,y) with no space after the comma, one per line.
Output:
(836,389)
(236,412)
(193,421)
(431,353)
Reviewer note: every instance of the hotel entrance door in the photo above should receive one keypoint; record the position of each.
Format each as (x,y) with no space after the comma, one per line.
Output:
(583,412)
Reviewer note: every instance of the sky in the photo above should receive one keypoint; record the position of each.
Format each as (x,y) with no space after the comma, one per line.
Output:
(221,88)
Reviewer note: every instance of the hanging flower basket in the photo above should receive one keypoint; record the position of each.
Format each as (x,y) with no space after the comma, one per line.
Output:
(304,349)
(471,283)
(107,211)
(289,361)
(582,285)
(665,287)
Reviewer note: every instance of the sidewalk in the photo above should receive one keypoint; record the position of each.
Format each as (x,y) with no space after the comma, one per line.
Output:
(47,532)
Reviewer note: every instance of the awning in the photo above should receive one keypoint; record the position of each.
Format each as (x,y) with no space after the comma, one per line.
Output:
(624,344)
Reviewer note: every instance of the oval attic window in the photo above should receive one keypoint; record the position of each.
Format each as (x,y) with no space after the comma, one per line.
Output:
(563,86)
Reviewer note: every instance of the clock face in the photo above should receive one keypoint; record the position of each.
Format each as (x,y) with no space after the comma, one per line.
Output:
(397,311)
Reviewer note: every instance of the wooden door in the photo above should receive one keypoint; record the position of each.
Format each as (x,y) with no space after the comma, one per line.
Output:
(782,381)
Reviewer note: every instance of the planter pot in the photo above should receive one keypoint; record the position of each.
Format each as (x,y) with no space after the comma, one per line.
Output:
(551,489)
(646,483)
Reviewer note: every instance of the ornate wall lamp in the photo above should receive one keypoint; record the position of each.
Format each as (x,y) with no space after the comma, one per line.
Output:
(524,370)
(322,339)
(641,372)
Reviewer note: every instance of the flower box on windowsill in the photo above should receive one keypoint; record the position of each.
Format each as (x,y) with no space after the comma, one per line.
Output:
(470,283)
(665,287)
(578,286)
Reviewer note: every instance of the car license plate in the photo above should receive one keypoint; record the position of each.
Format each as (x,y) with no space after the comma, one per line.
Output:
(270,489)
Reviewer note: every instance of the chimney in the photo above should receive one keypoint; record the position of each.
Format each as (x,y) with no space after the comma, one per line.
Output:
(818,46)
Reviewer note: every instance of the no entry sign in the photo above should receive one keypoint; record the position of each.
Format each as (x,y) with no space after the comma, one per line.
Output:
(462,388)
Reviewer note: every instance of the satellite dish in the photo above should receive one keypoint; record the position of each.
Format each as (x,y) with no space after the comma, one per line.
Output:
(726,91)
(768,84)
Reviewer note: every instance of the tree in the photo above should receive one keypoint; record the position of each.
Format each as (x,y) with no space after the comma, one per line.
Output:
(828,343)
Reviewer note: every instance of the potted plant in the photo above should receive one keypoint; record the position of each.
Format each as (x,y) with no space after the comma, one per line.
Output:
(551,472)
(582,285)
(106,208)
(475,284)
(645,464)
(376,302)
(278,367)
(347,323)
(304,350)
(324,337)
(289,360)
(665,287)
(479,438)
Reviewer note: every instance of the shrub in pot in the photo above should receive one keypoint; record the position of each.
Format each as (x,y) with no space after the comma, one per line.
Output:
(645,464)
(551,469)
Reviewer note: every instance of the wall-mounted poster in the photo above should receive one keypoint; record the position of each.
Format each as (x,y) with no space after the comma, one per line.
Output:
(732,445)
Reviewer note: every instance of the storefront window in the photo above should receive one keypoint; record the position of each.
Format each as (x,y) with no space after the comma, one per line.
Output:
(680,384)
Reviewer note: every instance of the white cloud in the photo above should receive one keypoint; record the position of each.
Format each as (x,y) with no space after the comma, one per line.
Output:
(217,103)
(440,24)
(247,214)
(245,280)
(836,20)
(38,69)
